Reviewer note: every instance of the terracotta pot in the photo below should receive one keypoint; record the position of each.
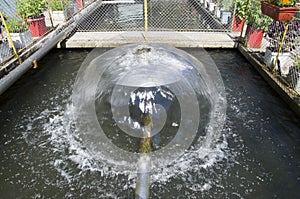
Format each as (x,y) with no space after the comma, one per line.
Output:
(278,13)
(37,26)
(254,37)
(80,4)
(237,24)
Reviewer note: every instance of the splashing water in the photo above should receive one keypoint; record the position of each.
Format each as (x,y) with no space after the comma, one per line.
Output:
(184,96)
(44,155)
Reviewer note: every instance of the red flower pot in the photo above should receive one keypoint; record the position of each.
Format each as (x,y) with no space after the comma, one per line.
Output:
(254,37)
(278,13)
(237,24)
(37,26)
(80,4)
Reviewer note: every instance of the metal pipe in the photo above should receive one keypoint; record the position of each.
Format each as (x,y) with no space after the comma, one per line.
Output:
(142,187)
(52,39)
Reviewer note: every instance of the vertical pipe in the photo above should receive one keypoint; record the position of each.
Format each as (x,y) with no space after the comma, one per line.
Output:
(145,15)
(9,38)
(142,188)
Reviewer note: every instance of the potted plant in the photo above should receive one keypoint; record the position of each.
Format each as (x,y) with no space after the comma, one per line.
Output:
(31,11)
(279,10)
(57,8)
(257,24)
(239,16)
(19,32)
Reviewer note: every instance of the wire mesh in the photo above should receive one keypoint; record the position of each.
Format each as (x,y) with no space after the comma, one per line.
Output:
(287,67)
(15,25)
(162,15)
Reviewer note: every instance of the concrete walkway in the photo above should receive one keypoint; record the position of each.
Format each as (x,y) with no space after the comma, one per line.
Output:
(177,39)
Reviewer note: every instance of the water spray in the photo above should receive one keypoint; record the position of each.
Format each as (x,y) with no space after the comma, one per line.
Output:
(137,108)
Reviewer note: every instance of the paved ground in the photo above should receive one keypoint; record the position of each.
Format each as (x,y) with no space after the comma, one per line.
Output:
(177,39)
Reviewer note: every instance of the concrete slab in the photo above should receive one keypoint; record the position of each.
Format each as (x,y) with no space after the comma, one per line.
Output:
(177,39)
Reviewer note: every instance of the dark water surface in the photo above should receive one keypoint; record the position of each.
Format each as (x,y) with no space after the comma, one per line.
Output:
(259,155)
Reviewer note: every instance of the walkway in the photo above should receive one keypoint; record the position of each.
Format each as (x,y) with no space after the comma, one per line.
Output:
(177,39)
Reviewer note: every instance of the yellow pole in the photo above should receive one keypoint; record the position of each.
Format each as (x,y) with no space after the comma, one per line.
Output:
(9,38)
(145,15)
(280,46)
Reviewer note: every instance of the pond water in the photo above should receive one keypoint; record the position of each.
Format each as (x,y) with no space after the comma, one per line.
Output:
(256,156)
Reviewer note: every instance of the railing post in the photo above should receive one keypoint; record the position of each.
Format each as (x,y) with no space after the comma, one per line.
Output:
(145,15)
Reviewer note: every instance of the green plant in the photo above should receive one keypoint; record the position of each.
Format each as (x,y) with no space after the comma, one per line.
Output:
(255,18)
(16,25)
(283,3)
(30,8)
(241,8)
(56,5)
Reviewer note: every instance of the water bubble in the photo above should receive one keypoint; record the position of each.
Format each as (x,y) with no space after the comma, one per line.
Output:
(153,90)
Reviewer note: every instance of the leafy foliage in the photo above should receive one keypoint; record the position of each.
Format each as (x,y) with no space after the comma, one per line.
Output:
(241,8)
(30,8)
(255,18)
(16,25)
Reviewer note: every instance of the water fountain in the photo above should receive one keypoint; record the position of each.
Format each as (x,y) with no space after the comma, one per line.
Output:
(46,152)
(147,96)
